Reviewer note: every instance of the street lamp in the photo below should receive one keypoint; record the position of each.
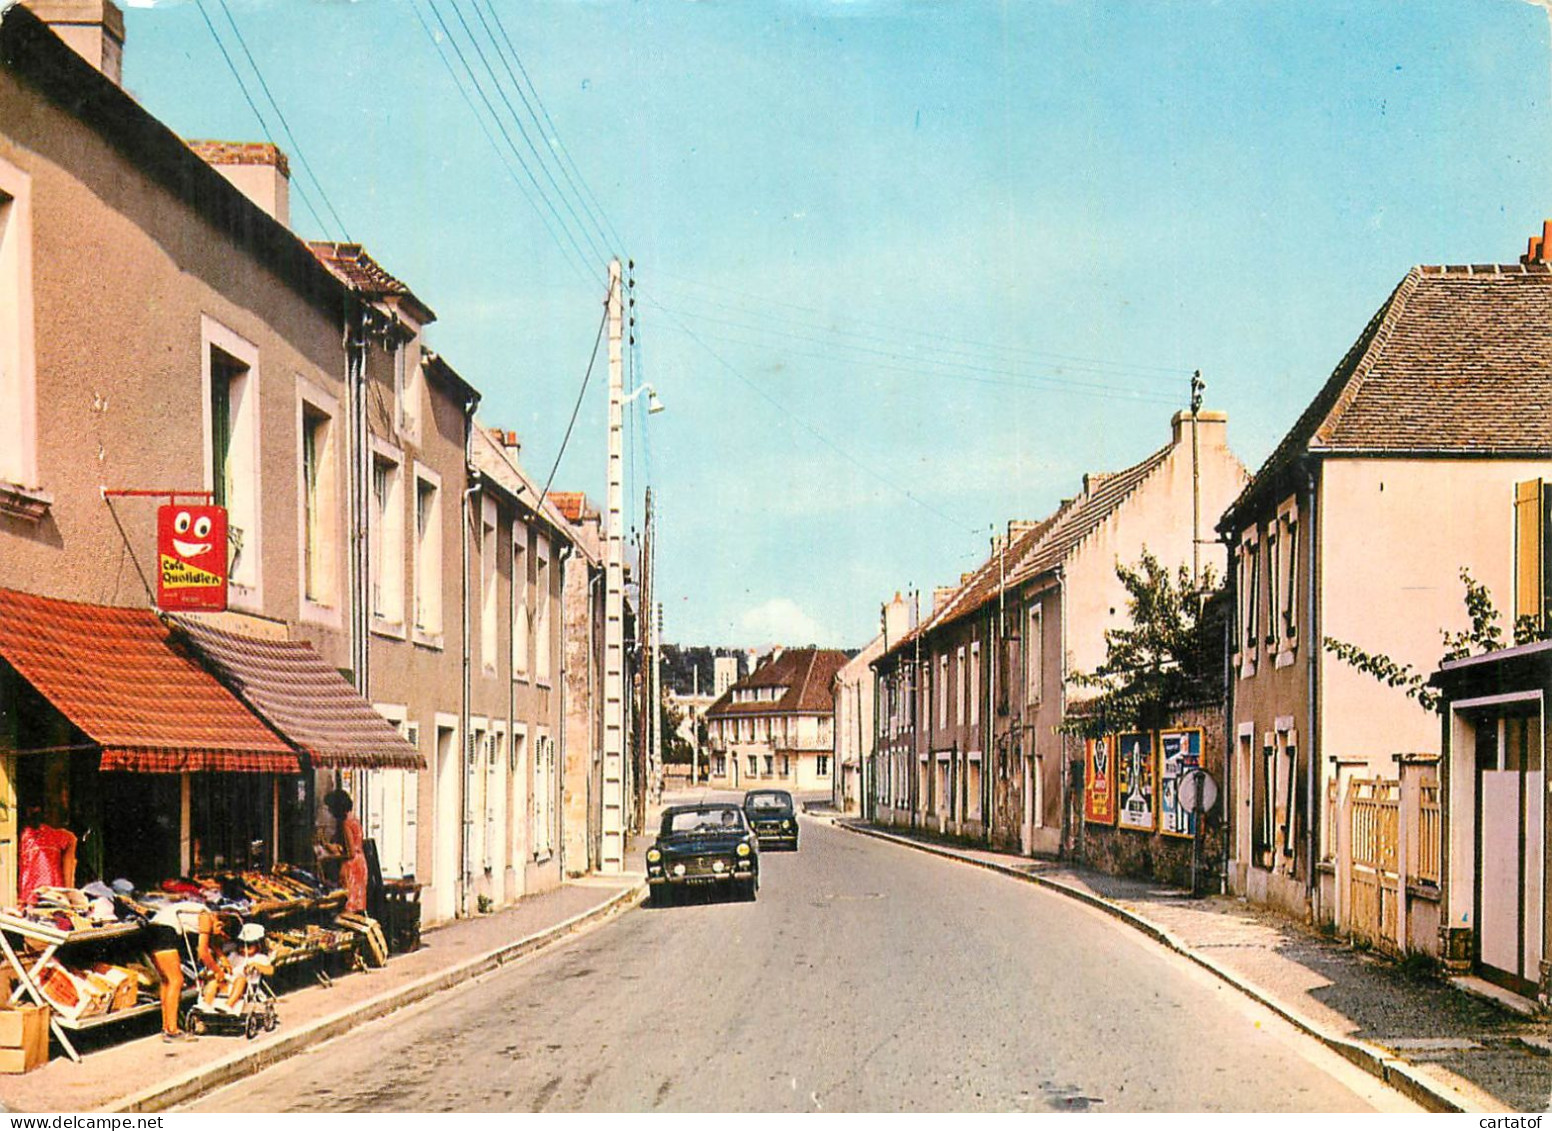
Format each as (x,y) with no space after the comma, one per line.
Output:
(654,405)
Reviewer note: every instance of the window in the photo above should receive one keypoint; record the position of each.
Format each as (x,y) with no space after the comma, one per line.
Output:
(822,765)
(943,690)
(428,555)
(1034,655)
(542,583)
(1274,564)
(520,601)
(544,791)
(385,536)
(407,387)
(1290,765)
(18,389)
(770,765)
(1265,804)
(975,684)
(488,576)
(754,766)
(230,375)
(961,672)
(1532,550)
(1290,588)
(320,502)
(1246,638)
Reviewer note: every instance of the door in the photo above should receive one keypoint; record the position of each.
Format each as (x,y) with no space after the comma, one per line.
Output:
(449,825)
(1509,850)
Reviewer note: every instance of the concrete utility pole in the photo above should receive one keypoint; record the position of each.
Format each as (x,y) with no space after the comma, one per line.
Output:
(657,700)
(613,848)
(1197,385)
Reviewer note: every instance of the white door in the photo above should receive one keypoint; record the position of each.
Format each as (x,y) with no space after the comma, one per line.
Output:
(449,825)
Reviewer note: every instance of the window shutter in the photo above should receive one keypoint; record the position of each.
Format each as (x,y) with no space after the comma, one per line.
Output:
(1529,545)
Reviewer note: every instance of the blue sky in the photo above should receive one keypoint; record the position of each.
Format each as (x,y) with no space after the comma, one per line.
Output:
(905,270)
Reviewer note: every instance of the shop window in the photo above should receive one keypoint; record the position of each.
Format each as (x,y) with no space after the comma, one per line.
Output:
(320,506)
(1533,551)
(386,538)
(231,378)
(428,556)
(18,391)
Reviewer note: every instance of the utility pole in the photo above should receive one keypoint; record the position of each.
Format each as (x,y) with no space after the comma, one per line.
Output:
(657,699)
(613,848)
(1197,385)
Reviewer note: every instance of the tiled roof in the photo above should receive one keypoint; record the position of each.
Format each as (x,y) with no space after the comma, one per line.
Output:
(806,673)
(1040,548)
(120,678)
(498,464)
(572,504)
(1458,361)
(351,264)
(287,684)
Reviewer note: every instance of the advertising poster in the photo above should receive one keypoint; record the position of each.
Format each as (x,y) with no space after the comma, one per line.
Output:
(1135,781)
(191,558)
(1179,751)
(1099,781)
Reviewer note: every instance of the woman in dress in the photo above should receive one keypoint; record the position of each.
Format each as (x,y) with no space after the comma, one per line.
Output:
(351,838)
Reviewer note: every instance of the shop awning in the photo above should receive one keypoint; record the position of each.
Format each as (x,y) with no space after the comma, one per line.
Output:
(118,675)
(290,686)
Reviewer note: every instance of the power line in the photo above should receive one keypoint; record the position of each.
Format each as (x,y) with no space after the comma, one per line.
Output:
(576,408)
(522,129)
(296,146)
(980,375)
(586,194)
(811,430)
(580,262)
(269,135)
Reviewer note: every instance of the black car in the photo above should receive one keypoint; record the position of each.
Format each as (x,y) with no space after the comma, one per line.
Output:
(710,844)
(772,816)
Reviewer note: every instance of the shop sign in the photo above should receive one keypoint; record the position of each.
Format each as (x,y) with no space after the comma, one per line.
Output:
(1099,781)
(191,558)
(1135,781)
(1179,752)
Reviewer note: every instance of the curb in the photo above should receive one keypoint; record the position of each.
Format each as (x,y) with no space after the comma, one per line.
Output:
(199,1081)
(1392,1071)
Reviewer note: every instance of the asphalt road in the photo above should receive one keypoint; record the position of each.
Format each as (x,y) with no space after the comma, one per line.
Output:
(866,977)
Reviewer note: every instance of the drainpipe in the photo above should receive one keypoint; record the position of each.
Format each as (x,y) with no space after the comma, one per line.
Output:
(1061,593)
(1311,652)
(357,487)
(466,509)
(1230,749)
(564,555)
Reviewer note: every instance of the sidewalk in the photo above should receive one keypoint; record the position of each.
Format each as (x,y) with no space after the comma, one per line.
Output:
(119,1072)
(1443,1048)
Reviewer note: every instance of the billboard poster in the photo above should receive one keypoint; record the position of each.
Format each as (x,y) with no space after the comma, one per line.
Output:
(191,558)
(1179,751)
(1099,781)
(1135,781)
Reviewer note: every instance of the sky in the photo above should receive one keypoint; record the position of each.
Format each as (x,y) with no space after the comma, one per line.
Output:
(904,271)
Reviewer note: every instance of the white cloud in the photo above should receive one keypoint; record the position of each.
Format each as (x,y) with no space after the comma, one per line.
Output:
(781,621)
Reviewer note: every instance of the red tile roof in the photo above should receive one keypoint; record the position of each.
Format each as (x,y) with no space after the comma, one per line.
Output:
(121,679)
(288,685)
(1458,361)
(806,673)
(242,153)
(350,263)
(572,504)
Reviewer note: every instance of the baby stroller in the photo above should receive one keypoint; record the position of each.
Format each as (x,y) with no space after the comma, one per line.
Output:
(255,1010)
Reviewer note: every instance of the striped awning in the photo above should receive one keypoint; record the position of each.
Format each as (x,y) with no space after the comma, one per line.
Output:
(289,686)
(122,679)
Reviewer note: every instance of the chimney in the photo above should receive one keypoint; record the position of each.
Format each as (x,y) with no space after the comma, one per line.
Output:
(897,619)
(1212,429)
(1018,527)
(511,443)
(941,594)
(1536,247)
(257,169)
(94,30)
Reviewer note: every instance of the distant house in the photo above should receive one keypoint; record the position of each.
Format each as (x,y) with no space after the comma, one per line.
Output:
(969,730)
(856,694)
(775,727)
(1428,450)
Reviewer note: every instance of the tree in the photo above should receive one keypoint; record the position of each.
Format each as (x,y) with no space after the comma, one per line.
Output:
(1171,656)
(1482,637)
(676,751)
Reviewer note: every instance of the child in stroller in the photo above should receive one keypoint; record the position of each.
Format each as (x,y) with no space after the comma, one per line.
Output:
(233,996)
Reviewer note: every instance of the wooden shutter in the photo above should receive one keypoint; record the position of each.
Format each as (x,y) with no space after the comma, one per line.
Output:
(1529,541)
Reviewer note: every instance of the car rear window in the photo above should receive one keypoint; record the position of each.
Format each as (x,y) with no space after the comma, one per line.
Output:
(718,819)
(769,801)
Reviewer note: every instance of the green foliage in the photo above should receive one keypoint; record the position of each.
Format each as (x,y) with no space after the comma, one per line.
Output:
(675,749)
(1170,656)
(1482,637)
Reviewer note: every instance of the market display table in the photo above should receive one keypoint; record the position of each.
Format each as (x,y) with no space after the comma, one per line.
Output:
(28,969)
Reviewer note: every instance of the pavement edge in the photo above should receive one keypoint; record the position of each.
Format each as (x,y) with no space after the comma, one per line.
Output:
(1390,1070)
(207,1078)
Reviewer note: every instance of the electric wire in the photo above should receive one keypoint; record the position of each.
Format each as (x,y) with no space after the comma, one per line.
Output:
(600,247)
(587,196)
(572,254)
(522,130)
(296,146)
(816,433)
(269,134)
(575,408)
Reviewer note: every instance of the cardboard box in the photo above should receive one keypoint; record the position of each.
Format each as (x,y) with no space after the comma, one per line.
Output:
(24,1038)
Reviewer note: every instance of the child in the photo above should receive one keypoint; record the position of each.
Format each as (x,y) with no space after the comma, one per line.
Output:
(251,960)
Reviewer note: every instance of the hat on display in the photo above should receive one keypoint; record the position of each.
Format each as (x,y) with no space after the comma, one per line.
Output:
(123,886)
(251,932)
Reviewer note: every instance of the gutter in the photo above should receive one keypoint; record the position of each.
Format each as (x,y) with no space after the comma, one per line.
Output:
(465,738)
(1311,742)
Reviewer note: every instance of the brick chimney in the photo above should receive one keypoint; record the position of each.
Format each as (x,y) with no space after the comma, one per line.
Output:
(94,30)
(941,594)
(258,169)
(1537,246)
